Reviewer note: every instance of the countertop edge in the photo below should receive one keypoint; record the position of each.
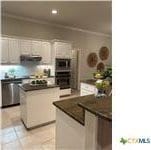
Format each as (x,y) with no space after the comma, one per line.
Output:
(82,123)
(94,112)
(23,78)
(43,88)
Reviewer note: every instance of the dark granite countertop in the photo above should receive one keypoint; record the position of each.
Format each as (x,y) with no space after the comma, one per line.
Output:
(89,81)
(75,107)
(27,87)
(13,79)
(101,108)
(20,78)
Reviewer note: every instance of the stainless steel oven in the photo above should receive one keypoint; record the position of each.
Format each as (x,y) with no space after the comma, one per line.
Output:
(63,64)
(63,79)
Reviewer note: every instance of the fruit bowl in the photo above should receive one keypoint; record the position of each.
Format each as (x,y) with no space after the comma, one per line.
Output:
(38,83)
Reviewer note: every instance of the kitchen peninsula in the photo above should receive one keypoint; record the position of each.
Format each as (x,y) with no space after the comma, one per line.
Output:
(36,104)
(84,123)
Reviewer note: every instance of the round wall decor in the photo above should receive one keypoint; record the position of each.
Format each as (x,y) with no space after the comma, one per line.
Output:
(104,53)
(92,59)
(101,66)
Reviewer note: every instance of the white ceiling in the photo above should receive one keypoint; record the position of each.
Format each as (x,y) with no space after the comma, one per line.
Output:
(95,16)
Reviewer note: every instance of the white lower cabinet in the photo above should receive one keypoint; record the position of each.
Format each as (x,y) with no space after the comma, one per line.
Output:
(70,135)
(36,106)
(87,89)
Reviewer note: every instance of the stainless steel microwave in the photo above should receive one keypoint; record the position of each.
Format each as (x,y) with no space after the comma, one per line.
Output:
(63,64)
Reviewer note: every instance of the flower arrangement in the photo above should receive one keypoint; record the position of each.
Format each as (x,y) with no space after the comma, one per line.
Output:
(102,84)
(98,75)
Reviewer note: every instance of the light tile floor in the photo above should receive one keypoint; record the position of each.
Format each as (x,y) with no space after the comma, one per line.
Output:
(14,136)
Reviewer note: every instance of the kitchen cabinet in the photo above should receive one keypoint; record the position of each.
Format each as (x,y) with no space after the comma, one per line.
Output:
(70,134)
(5,51)
(54,97)
(25,46)
(36,47)
(14,51)
(46,53)
(33,101)
(87,89)
(12,48)
(62,50)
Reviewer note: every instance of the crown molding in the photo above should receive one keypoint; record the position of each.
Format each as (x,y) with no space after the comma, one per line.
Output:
(54,24)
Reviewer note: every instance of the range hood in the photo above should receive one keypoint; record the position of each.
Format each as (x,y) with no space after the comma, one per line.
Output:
(30,58)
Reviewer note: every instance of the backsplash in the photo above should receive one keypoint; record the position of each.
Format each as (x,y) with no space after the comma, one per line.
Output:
(24,69)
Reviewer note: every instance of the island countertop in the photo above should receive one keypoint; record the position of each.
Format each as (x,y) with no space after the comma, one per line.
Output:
(27,87)
(89,81)
(75,107)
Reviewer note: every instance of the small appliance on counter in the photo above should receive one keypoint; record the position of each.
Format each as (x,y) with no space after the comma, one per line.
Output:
(47,72)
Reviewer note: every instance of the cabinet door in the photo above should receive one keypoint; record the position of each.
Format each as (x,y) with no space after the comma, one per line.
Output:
(4,51)
(63,50)
(14,50)
(58,49)
(36,48)
(67,50)
(46,52)
(25,46)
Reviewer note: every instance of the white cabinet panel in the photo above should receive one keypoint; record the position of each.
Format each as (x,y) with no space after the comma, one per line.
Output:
(87,89)
(4,51)
(46,52)
(62,50)
(25,46)
(36,48)
(14,50)
(54,97)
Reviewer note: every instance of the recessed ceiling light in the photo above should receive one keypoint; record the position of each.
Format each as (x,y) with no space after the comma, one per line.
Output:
(54,11)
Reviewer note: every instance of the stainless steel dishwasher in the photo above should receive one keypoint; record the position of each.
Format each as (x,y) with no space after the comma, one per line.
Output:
(10,92)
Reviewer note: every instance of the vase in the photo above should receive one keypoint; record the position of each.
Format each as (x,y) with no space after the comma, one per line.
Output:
(100,93)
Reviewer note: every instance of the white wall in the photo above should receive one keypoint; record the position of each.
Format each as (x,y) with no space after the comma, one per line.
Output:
(84,41)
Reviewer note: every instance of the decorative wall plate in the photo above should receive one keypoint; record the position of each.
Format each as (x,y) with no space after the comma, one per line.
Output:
(101,66)
(92,59)
(104,53)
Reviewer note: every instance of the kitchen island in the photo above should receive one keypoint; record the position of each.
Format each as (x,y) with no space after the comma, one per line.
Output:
(36,104)
(84,123)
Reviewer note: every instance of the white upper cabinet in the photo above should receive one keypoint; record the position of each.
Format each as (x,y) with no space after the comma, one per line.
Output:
(4,51)
(12,48)
(14,51)
(25,46)
(46,52)
(36,47)
(62,50)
